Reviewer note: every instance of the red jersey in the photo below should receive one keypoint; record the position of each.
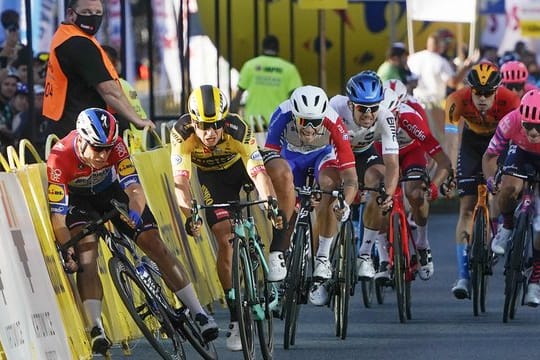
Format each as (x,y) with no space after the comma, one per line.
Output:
(414,132)
(68,173)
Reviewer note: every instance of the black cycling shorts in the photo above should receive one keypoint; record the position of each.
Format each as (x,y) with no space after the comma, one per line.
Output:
(469,162)
(220,186)
(84,208)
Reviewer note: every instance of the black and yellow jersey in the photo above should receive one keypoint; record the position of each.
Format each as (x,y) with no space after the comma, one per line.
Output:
(236,143)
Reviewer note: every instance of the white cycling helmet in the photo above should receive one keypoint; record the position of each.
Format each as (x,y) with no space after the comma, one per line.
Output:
(98,127)
(391,100)
(399,88)
(309,102)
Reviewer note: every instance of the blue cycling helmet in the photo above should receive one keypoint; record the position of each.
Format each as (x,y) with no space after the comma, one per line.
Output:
(365,88)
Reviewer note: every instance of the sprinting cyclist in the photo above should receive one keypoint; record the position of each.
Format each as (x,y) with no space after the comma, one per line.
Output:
(86,169)
(514,77)
(367,121)
(416,142)
(224,151)
(480,106)
(522,128)
(305,132)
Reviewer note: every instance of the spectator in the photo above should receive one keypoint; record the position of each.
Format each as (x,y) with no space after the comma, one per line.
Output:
(132,97)
(395,66)
(79,73)
(40,68)
(435,73)
(8,88)
(11,48)
(268,80)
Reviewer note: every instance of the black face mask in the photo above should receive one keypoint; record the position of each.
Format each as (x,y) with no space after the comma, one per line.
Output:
(88,23)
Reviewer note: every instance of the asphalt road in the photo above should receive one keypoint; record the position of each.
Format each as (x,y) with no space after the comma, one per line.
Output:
(441,326)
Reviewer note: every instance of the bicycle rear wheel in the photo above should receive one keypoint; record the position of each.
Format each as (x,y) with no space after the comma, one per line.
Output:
(514,275)
(294,287)
(265,293)
(146,311)
(478,261)
(243,296)
(399,268)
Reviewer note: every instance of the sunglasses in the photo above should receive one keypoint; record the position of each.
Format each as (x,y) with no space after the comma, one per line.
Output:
(314,123)
(529,126)
(515,86)
(365,108)
(100,149)
(484,93)
(216,125)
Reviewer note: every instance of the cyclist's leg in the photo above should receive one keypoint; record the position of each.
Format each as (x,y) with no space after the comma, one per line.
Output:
(507,197)
(88,282)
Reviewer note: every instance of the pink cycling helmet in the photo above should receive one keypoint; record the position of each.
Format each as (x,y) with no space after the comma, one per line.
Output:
(514,72)
(530,107)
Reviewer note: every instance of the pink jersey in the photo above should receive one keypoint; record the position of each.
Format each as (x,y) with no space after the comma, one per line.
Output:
(510,129)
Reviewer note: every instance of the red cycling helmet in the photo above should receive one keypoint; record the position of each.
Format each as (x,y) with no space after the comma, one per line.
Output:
(514,72)
(530,107)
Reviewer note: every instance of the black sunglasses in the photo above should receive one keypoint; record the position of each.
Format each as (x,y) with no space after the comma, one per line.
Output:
(100,149)
(515,86)
(314,123)
(366,108)
(529,126)
(484,93)
(216,125)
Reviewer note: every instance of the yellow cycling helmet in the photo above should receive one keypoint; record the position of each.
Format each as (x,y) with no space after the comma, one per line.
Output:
(484,77)
(208,104)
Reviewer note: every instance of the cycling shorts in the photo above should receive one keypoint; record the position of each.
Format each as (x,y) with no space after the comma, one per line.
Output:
(83,208)
(220,186)
(469,162)
(366,159)
(521,161)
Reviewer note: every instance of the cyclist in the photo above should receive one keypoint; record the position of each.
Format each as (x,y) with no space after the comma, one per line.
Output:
(222,147)
(522,128)
(514,77)
(368,121)
(86,169)
(415,142)
(480,105)
(305,132)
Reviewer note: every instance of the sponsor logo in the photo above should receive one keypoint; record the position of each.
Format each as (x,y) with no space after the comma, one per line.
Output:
(125,167)
(120,149)
(55,174)
(256,156)
(414,130)
(176,160)
(56,193)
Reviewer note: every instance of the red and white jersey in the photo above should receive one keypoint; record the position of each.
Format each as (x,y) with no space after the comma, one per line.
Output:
(68,173)
(413,130)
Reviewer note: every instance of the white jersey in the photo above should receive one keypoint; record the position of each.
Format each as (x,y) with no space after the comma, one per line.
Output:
(383,129)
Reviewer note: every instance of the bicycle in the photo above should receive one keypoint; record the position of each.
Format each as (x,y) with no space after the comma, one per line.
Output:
(343,282)
(481,259)
(254,296)
(139,285)
(403,256)
(520,245)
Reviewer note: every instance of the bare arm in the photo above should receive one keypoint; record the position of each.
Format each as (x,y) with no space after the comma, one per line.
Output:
(489,164)
(350,184)
(443,168)
(137,199)
(113,95)
(264,185)
(182,190)
(391,172)
(61,231)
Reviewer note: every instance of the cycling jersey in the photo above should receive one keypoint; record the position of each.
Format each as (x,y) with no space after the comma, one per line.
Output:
(284,133)
(413,131)
(383,128)
(510,130)
(68,173)
(459,105)
(236,143)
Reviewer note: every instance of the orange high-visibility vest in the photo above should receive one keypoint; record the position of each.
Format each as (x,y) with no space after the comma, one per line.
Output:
(56,81)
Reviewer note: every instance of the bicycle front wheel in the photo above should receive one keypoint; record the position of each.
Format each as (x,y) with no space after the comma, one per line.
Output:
(478,259)
(266,294)
(399,268)
(514,272)
(345,277)
(146,311)
(243,296)
(294,287)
